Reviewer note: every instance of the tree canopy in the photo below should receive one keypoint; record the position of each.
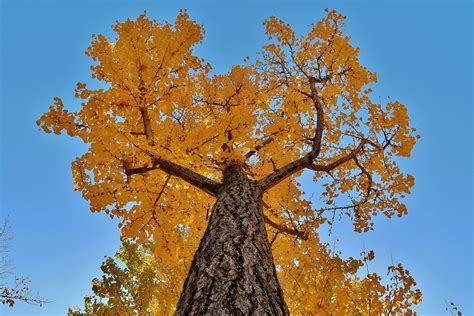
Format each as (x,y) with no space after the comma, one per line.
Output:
(161,127)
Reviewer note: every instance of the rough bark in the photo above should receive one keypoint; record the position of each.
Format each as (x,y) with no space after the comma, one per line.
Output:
(232,272)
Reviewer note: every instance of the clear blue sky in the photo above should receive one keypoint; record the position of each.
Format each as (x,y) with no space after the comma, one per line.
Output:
(422,52)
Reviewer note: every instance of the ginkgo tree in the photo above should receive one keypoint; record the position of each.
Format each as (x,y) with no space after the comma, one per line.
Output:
(192,160)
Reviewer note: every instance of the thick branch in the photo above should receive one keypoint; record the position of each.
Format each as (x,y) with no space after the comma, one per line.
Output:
(147,125)
(306,162)
(318,135)
(282,173)
(204,183)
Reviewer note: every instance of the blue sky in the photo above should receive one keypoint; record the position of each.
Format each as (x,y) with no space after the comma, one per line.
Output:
(421,51)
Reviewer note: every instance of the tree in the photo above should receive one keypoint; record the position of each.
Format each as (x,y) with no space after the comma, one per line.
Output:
(174,150)
(13,289)
(134,283)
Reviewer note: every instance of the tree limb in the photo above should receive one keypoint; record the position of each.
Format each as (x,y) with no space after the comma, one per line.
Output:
(258,147)
(285,229)
(306,162)
(318,135)
(282,173)
(340,161)
(204,183)
(147,125)
(369,179)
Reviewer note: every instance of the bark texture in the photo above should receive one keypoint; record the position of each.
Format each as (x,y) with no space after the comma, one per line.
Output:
(232,272)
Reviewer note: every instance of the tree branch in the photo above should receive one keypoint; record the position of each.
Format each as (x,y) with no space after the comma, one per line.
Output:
(285,229)
(282,173)
(204,183)
(306,162)
(318,135)
(147,125)
(340,161)
(258,147)
(369,179)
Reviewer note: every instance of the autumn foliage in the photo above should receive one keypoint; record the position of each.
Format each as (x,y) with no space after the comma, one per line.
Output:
(304,104)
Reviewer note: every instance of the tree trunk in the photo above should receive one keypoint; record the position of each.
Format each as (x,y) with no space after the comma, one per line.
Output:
(232,272)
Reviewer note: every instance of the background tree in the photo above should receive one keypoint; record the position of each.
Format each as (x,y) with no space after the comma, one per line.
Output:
(167,141)
(13,289)
(134,283)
